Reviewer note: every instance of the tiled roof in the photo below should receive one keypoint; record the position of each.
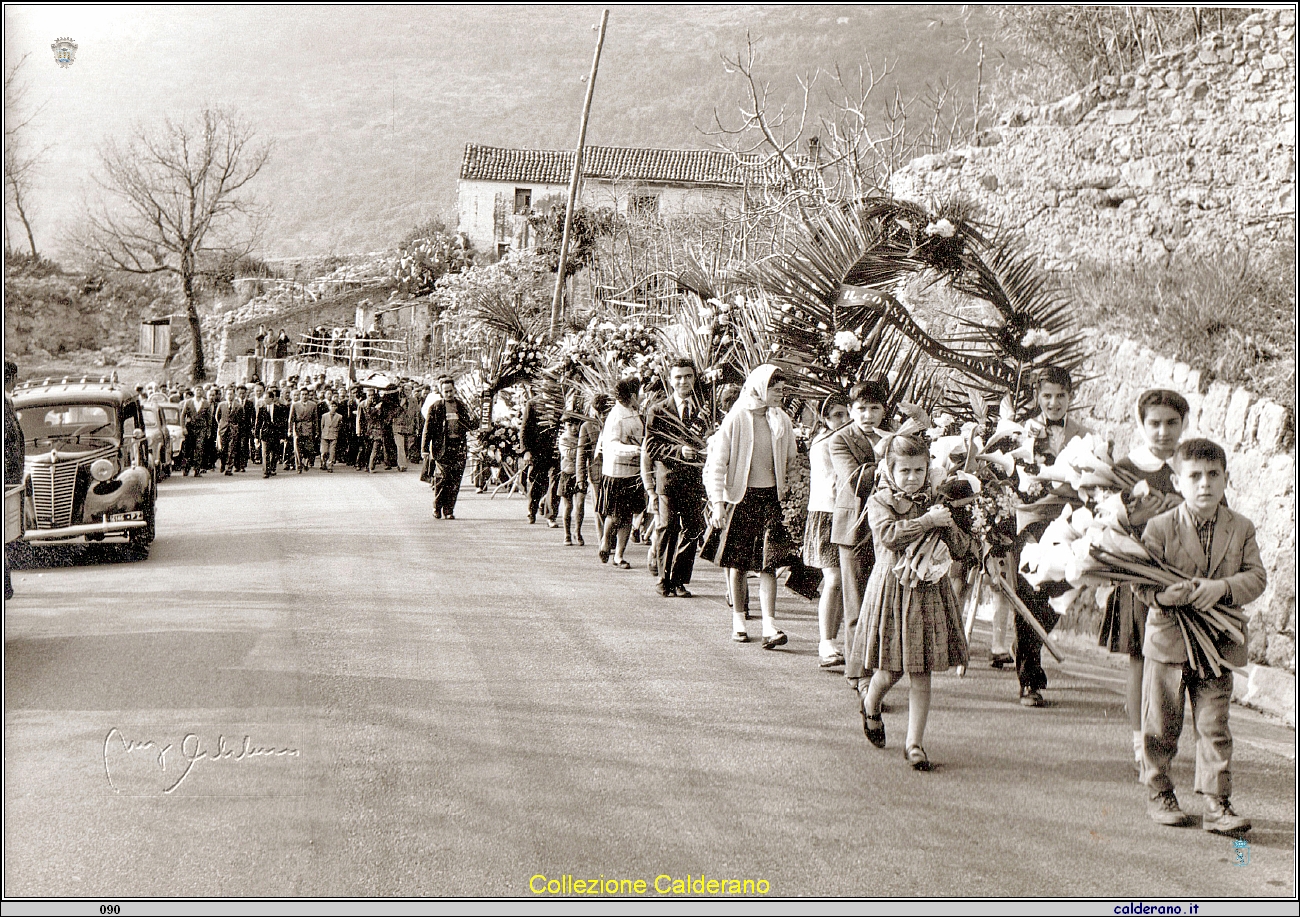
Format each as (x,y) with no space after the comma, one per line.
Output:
(554,167)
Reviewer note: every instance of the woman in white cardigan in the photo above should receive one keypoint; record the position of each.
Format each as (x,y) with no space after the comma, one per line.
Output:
(745,474)
(621,495)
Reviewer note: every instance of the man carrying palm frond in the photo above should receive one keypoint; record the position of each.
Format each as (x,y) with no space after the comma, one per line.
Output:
(674,446)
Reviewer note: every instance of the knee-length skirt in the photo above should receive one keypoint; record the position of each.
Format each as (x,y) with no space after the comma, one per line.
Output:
(1123,626)
(620,498)
(914,630)
(818,551)
(756,538)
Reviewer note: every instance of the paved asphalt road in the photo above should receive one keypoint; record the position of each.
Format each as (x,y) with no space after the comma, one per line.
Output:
(450,708)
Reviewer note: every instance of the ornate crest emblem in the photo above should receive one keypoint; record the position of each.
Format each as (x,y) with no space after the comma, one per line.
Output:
(65,51)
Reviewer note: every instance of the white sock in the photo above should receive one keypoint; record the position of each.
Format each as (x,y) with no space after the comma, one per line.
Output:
(1137,744)
(738,621)
(826,648)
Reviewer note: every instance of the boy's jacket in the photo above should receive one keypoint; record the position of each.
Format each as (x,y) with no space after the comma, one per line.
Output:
(1234,556)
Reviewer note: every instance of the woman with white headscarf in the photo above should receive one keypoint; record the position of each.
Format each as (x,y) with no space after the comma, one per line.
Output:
(745,476)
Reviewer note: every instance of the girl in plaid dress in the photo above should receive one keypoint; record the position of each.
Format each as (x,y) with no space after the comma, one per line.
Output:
(910,619)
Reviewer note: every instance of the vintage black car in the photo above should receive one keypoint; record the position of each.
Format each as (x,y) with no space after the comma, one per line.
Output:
(90,476)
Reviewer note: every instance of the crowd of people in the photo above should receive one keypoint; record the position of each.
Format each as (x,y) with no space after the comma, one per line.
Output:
(660,474)
(663,474)
(338,345)
(302,423)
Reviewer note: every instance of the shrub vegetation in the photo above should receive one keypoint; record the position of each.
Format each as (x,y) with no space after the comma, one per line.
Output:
(1232,317)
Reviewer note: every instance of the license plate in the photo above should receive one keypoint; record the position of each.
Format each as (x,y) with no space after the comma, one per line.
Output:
(125,517)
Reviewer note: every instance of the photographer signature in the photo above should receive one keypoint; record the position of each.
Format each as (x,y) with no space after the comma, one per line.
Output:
(189,753)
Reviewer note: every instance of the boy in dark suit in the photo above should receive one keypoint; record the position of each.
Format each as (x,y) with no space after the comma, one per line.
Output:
(1216,549)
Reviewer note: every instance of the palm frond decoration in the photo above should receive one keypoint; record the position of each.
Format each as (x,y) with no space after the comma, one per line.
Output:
(702,331)
(1030,327)
(596,375)
(500,311)
(823,340)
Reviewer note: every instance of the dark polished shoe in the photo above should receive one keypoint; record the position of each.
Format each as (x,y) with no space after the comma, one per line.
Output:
(623,565)
(1220,819)
(873,727)
(449,515)
(740,637)
(830,662)
(532,520)
(1164,810)
(667,593)
(1001,659)
(1031,697)
(683,593)
(578,539)
(604,556)
(777,639)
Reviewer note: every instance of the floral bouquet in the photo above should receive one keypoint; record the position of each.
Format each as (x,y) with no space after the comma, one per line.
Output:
(1085,472)
(977,463)
(1090,547)
(517,360)
(500,440)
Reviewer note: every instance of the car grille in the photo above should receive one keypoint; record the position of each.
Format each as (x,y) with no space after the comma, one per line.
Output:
(54,488)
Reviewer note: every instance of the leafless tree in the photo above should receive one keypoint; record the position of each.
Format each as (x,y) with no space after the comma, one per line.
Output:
(175,201)
(856,139)
(20,162)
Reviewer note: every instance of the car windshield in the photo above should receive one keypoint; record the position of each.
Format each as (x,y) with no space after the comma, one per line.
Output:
(64,424)
(170,415)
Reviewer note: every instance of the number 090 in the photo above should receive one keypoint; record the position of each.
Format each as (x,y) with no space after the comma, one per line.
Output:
(110,908)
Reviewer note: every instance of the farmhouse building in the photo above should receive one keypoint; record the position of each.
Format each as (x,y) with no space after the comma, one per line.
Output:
(499,187)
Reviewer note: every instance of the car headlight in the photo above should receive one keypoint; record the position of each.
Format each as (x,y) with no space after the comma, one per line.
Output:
(102,470)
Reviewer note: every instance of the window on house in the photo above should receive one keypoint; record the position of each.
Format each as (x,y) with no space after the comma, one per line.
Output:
(502,248)
(523,199)
(643,204)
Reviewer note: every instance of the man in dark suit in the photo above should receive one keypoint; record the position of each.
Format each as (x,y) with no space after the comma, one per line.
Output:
(446,440)
(272,427)
(230,421)
(673,449)
(539,442)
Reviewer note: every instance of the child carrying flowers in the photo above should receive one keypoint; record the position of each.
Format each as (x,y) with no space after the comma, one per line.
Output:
(1161,415)
(910,620)
(1215,550)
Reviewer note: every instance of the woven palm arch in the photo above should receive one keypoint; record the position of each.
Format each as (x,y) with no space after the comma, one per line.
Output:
(845,274)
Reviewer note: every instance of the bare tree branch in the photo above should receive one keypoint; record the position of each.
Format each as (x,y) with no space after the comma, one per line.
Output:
(173,199)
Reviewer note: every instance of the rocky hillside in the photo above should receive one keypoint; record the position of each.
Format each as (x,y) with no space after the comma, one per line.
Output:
(1193,153)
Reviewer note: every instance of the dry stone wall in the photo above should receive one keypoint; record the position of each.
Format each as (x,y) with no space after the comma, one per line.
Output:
(1193,153)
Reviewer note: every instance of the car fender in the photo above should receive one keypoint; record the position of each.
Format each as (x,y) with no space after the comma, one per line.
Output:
(125,493)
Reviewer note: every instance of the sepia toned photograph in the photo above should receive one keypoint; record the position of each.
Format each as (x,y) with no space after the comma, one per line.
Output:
(726,452)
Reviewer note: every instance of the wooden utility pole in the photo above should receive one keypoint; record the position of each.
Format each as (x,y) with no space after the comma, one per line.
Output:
(558,299)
